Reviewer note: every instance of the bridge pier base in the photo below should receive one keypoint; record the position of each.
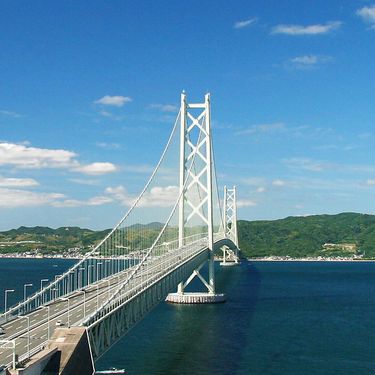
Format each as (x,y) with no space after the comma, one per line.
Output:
(230,257)
(182,297)
(195,298)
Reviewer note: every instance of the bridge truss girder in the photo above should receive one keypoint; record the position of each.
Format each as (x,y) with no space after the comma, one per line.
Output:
(119,321)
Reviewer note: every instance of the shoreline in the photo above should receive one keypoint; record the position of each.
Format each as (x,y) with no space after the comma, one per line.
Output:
(269,259)
(22,256)
(263,259)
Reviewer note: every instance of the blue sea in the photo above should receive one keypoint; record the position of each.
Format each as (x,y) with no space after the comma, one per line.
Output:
(279,318)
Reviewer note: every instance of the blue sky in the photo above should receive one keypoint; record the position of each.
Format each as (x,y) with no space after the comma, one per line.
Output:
(89,91)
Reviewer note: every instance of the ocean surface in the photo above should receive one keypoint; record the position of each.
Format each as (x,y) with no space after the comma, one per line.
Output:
(279,318)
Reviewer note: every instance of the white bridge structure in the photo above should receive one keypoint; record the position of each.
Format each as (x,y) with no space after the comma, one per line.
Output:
(171,230)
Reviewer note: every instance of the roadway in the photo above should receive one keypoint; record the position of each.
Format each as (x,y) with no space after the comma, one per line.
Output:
(31,331)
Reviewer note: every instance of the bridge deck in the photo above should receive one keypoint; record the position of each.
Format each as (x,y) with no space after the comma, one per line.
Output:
(30,331)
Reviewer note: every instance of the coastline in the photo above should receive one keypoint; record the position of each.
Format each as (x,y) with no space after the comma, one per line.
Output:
(260,259)
(308,259)
(52,256)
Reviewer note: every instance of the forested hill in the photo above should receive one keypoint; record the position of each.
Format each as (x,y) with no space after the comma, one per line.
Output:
(67,240)
(48,240)
(345,234)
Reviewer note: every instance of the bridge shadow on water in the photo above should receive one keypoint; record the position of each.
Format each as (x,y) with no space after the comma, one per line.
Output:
(193,339)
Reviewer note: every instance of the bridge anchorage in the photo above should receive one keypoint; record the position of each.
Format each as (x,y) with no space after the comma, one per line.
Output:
(137,265)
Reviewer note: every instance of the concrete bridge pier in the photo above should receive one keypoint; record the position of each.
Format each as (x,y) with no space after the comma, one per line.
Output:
(68,352)
(196,298)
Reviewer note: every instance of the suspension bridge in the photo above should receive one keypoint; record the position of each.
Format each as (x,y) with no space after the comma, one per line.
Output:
(171,230)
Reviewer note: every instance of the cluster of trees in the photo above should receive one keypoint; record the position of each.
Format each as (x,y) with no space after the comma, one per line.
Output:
(305,236)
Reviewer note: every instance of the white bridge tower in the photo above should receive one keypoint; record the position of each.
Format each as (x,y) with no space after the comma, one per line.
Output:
(230,257)
(196,119)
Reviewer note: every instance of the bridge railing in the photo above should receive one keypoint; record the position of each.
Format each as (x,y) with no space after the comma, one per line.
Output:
(152,270)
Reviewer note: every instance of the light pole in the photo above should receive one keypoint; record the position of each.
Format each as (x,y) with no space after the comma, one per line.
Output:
(41,288)
(24,290)
(97,270)
(97,297)
(80,277)
(6,298)
(67,299)
(48,315)
(55,290)
(24,296)
(107,269)
(84,302)
(109,286)
(69,289)
(89,278)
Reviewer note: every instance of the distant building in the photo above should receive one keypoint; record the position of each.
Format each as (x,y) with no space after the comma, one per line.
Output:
(351,247)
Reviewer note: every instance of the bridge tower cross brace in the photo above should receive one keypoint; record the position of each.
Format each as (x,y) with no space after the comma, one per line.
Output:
(230,214)
(201,179)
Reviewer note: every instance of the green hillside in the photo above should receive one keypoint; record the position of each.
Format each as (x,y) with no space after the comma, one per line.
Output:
(349,234)
(345,234)
(48,240)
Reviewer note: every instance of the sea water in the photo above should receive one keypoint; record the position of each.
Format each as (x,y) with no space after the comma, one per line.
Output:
(279,318)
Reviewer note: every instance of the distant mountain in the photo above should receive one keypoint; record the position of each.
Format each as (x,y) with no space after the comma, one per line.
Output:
(48,240)
(154,225)
(345,234)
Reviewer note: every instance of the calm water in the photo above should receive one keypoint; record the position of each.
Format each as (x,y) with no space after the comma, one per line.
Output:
(280,318)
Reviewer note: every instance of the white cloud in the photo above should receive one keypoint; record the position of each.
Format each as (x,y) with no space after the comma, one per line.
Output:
(308,164)
(83,181)
(116,100)
(261,189)
(10,198)
(245,203)
(97,168)
(367,14)
(108,146)
(244,23)
(17,182)
(308,61)
(319,166)
(105,113)
(95,201)
(165,107)
(22,156)
(278,183)
(10,113)
(306,30)
(263,128)
(370,182)
(157,197)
